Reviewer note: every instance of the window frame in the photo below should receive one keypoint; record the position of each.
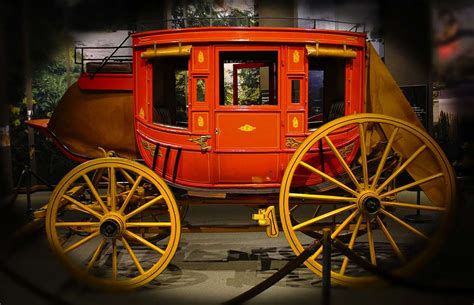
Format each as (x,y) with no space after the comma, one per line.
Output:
(249,49)
(346,90)
(187,95)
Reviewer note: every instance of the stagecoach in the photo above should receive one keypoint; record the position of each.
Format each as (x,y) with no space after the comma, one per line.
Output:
(305,125)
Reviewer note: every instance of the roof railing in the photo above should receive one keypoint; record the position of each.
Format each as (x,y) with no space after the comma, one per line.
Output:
(249,21)
(82,59)
(80,56)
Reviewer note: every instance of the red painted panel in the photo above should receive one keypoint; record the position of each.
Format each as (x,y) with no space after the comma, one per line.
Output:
(106,81)
(296,59)
(295,122)
(193,166)
(200,122)
(248,168)
(200,59)
(252,131)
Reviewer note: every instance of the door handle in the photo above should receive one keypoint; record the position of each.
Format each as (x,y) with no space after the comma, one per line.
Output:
(217,131)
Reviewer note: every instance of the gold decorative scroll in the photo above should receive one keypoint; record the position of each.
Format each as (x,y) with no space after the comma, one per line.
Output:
(293,143)
(346,150)
(201,141)
(200,121)
(167,51)
(295,122)
(330,51)
(247,128)
(150,147)
(296,56)
(200,57)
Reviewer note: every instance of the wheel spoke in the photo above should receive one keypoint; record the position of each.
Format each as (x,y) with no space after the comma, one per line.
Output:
(363,152)
(344,224)
(95,193)
(390,239)
(96,254)
(130,194)
(145,242)
(82,206)
(370,238)
(127,176)
(336,233)
(387,150)
(147,224)
(98,174)
(316,219)
(296,206)
(329,178)
(351,245)
(316,212)
(404,224)
(144,207)
(114,259)
(342,162)
(106,179)
(81,242)
(133,256)
(413,184)
(322,197)
(413,206)
(113,189)
(76,224)
(400,169)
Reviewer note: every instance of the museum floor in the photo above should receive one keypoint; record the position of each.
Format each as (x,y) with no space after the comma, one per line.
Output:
(210,268)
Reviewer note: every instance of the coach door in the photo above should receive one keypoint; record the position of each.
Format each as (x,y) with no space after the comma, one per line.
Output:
(247,117)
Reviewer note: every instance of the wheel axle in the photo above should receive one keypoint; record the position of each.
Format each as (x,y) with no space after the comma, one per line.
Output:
(371,205)
(110,228)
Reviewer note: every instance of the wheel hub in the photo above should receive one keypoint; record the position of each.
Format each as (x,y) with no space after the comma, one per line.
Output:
(111,226)
(369,203)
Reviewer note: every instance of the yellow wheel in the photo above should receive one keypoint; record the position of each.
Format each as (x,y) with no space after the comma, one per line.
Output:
(98,219)
(155,235)
(382,162)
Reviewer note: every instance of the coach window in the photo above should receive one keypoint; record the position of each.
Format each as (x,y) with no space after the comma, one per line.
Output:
(295,91)
(201,90)
(248,78)
(170,91)
(326,90)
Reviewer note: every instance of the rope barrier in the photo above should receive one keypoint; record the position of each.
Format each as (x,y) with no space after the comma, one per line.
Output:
(397,279)
(272,280)
(326,241)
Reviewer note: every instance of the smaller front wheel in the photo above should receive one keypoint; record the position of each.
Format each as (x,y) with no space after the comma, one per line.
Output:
(98,221)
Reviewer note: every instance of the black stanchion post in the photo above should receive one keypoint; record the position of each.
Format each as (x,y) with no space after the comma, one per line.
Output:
(29,209)
(326,293)
(418,217)
(46,183)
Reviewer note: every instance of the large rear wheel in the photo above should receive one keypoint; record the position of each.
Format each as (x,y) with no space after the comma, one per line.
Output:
(369,203)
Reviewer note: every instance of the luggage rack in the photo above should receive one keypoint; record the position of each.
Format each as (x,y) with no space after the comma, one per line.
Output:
(114,63)
(247,21)
(88,62)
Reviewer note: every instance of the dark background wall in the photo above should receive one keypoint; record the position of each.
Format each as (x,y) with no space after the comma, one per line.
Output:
(33,30)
